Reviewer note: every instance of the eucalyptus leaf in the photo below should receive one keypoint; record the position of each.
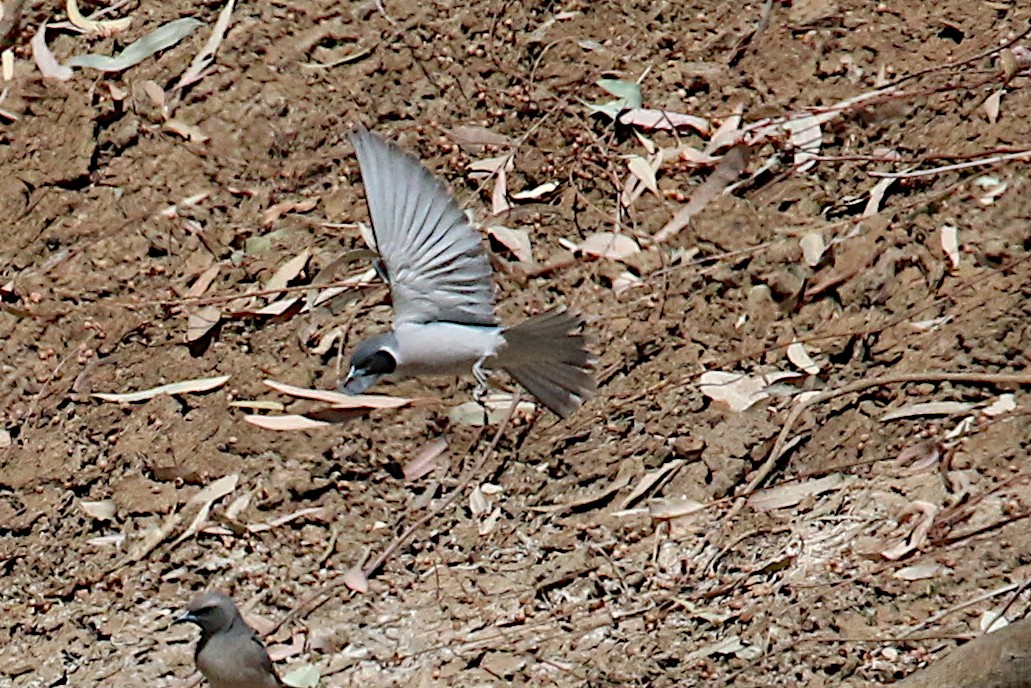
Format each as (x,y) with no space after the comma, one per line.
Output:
(628,94)
(165,36)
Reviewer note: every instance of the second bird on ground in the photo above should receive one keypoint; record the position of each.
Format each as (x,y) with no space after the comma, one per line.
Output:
(229,653)
(443,295)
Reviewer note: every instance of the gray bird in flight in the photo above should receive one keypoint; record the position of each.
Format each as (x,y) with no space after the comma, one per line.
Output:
(229,653)
(443,295)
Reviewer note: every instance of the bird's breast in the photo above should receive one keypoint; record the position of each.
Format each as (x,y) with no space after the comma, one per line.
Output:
(444,348)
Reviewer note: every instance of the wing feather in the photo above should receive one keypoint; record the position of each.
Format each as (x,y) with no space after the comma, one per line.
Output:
(435,262)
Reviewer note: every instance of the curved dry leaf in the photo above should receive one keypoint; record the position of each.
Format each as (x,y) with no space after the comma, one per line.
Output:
(424,462)
(339,399)
(499,204)
(285,423)
(478,504)
(992,106)
(288,271)
(185,387)
(738,392)
(609,245)
(45,60)
(800,357)
(199,324)
(207,54)
(931,408)
(515,240)
(873,205)
(642,169)
(104,27)
(664,119)
(356,580)
(536,192)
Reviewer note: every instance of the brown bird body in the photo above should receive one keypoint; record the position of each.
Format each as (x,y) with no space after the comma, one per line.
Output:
(229,653)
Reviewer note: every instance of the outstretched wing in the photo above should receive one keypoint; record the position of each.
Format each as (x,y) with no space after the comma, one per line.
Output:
(435,262)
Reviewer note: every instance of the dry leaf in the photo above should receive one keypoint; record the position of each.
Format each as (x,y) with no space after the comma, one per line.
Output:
(45,59)
(921,571)
(728,133)
(806,137)
(204,281)
(339,399)
(206,498)
(931,408)
(288,422)
(535,192)
(992,105)
(515,240)
(424,462)
(642,169)
(277,210)
(476,137)
(184,387)
(478,504)
(190,132)
(873,205)
(107,27)
(667,509)
(609,245)
(356,580)
(103,510)
(791,494)
(812,248)
(499,204)
(199,324)
(739,392)
(1003,404)
(924,514)
(950,244)
(207,54)
(287,272)
(800,357)
(727,170)
(664,119)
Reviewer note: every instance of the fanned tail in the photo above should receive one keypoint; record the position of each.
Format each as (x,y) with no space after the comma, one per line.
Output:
(548,355)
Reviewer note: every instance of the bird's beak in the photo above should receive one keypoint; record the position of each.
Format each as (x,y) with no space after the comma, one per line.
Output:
(356,383)
(188,617)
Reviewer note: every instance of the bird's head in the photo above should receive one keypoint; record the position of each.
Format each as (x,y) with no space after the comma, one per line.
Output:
(212,611)
(371,360)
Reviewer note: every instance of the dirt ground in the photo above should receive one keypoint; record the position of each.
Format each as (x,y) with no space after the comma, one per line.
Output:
(876,544)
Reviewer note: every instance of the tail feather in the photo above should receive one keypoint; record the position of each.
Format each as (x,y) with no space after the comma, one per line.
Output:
(548,355)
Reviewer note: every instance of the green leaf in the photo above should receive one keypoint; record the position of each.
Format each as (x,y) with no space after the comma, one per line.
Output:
(627,92)
(165,36)
(305,676)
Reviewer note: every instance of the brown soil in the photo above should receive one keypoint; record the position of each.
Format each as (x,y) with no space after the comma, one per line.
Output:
(567,579)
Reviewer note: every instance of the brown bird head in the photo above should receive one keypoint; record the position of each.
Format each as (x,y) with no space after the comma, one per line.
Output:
(213,612)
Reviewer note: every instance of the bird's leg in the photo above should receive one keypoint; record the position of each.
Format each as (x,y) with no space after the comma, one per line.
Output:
(482,387)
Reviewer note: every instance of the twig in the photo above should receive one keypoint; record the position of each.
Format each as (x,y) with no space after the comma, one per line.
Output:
(1020,155)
